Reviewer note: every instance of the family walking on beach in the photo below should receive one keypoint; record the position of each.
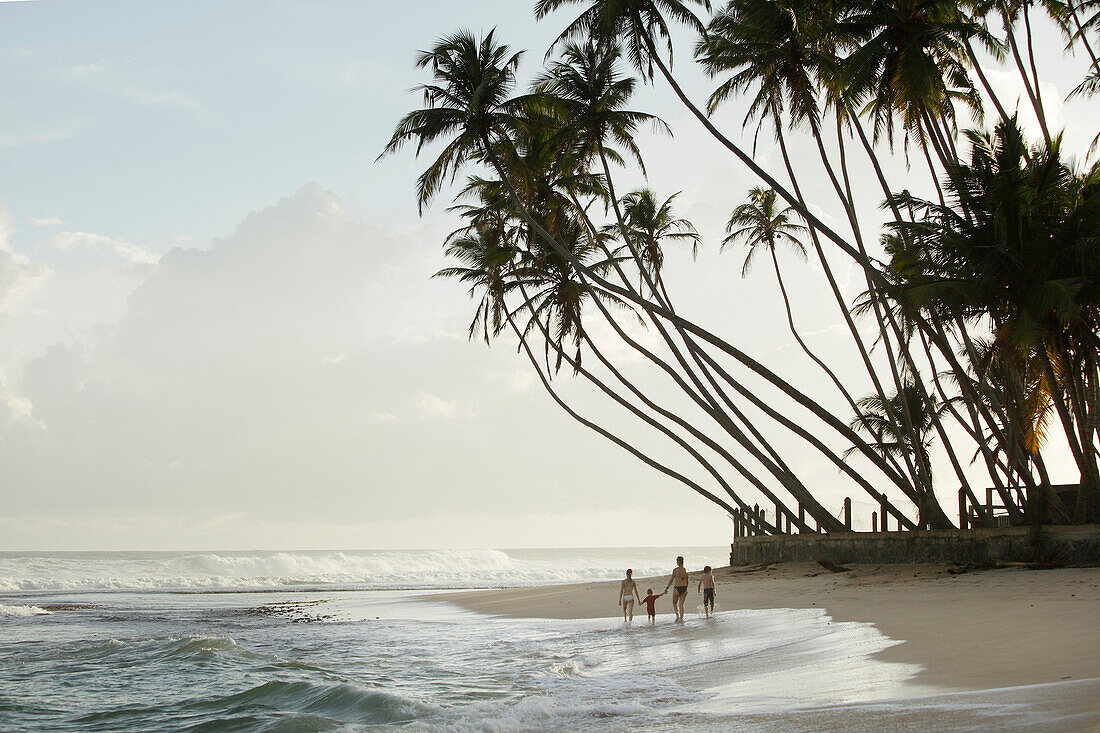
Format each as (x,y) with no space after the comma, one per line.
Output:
(678,581)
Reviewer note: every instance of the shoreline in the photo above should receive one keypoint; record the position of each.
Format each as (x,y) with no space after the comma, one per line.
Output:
(981,629)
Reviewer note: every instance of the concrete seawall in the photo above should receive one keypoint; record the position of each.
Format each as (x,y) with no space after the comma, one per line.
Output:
(1072,544)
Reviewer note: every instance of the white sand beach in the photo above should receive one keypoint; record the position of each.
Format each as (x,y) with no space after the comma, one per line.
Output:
(978,630)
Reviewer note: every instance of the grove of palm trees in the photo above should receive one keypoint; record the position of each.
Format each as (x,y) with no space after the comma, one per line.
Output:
(976,321)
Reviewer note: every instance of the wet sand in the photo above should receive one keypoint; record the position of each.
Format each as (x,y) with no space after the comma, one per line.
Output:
(978,630)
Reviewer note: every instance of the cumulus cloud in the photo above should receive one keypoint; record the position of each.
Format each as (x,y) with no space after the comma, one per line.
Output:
(303,369)
(18,278)
(51,221)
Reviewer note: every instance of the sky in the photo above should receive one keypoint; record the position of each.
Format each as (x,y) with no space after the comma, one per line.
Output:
(218,325)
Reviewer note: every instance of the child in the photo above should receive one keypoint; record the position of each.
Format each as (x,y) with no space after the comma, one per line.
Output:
(650,602)
(706,585)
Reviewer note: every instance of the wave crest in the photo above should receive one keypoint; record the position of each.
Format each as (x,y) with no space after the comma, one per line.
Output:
(23,611)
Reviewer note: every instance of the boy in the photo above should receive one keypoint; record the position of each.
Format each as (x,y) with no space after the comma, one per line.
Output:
(650,602)
(706,586)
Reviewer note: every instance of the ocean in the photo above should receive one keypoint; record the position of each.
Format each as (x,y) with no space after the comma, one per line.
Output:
(349,641)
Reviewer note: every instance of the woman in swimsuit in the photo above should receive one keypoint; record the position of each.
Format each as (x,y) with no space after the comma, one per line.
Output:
(680,589)
(628,591)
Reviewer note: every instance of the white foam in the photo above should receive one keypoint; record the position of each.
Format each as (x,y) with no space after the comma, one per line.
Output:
(23,611)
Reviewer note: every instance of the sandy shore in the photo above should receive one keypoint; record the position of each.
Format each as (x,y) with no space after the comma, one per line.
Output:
(978,630)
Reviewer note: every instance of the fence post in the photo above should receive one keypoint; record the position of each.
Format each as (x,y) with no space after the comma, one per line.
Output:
(801,517)
(874,521)
(962,508)
(778,519)
(848,513)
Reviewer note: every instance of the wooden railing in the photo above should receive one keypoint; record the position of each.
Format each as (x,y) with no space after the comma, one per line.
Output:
(1012,510)
(753,522)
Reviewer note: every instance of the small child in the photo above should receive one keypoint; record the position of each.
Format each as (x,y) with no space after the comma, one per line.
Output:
(706,585)
(650,602)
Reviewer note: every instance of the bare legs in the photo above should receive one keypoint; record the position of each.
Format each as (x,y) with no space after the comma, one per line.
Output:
(678,599)
(628,610)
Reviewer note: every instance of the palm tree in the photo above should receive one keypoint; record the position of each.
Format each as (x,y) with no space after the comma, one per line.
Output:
(1025,254)
(637,24)
(501,132)
(592,93)
(909,59)
(488,265)
(469,105)
(876,417)
(652,223)
(761,226)
(776,48)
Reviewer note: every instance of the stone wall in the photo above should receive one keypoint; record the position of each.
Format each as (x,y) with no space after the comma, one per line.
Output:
(1072,544)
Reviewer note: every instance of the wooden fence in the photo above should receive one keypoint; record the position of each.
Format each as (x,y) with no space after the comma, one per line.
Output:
(1012,511)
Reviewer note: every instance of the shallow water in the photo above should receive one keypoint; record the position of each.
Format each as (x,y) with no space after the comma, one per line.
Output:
(330,659)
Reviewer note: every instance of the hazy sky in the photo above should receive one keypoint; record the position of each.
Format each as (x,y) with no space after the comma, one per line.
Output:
(217,323)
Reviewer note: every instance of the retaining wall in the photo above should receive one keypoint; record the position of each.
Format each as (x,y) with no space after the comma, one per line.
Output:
(1072,544)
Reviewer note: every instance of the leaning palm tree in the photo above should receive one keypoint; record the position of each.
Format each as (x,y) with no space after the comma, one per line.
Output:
(469,106)
(762,226)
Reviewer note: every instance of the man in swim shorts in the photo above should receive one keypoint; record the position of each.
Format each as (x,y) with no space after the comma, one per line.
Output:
(679,584)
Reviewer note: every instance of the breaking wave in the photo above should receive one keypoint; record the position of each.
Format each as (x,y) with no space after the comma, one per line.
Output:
(411,569)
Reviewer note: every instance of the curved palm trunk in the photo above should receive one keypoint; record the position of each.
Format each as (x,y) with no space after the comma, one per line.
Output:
(694,432)
(610,436)
(779,469)
(649,420)
(879,307)
(702,333)
(906,420)
(985,81)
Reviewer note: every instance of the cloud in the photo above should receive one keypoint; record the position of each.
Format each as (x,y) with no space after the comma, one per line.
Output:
(19,277)
(71,241)
(51,221)
(303,369)
(114,80)
(437,406)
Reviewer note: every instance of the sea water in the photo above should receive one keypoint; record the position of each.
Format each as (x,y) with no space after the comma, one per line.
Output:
(320,641)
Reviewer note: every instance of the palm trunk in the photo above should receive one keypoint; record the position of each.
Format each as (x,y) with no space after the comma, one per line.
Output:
(864,354)
(610,436)
(700,332)
(985,82)
(794,332)
(1036,104)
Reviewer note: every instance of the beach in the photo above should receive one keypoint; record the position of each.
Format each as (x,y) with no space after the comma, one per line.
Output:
(976,630)
(508,640)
